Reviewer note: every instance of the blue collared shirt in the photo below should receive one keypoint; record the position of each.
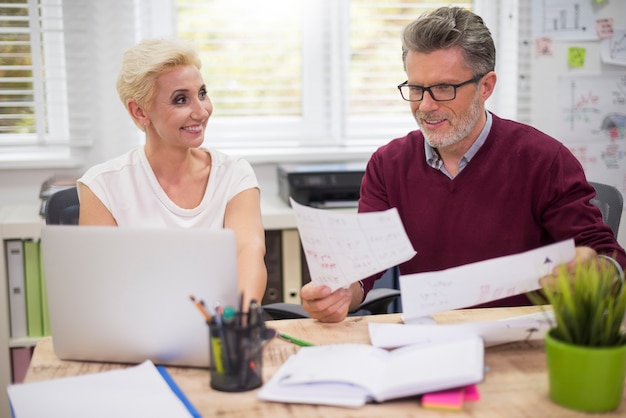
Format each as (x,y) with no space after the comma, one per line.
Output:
(434,160)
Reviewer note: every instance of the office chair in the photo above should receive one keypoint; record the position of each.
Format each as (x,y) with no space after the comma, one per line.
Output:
(62,207)
(610,202)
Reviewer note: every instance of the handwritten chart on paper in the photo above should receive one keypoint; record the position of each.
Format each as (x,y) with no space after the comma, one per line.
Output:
(472,284)
(341,248)
(591,122)
(613,49)
(592,107)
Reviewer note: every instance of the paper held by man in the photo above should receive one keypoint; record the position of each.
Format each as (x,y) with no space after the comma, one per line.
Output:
(342,248)
(424,294)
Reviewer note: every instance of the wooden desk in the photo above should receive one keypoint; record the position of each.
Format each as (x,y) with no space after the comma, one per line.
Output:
(516,384)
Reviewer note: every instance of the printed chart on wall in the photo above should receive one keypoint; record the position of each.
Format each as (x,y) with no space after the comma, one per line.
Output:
(592,124)
(564,20)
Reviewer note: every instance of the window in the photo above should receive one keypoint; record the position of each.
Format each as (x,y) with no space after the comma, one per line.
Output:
(33,110)
(285,76)
(302,72)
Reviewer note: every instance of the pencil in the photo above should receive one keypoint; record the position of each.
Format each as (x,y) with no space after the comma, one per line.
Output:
(200,307)
(293,340)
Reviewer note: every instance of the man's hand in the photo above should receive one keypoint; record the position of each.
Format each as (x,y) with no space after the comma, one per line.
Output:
(327,306)
(583,255)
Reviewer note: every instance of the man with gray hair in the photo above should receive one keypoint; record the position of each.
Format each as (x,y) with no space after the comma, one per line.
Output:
(468,185)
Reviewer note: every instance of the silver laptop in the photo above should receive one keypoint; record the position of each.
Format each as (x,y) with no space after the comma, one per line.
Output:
(122,294)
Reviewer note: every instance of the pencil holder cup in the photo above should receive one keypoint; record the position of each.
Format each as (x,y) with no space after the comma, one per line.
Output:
(236,354)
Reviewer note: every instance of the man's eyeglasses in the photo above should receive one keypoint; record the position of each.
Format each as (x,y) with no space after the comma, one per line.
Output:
(439,92)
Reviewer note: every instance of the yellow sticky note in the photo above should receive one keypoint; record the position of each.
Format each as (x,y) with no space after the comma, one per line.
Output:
(576,57)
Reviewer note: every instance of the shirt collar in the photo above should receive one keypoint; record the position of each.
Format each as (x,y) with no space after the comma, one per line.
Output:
(433,159)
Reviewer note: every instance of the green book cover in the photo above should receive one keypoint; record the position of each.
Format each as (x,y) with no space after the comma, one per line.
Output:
(34,318)
(44,297)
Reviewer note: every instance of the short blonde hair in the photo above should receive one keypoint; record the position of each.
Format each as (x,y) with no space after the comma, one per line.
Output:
(144,62)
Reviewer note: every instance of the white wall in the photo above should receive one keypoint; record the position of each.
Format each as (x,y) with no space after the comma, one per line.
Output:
(547,69)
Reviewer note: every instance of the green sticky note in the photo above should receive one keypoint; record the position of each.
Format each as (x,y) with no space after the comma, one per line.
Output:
(576,57)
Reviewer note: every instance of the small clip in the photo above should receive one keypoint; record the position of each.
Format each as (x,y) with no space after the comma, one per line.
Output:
(530,333)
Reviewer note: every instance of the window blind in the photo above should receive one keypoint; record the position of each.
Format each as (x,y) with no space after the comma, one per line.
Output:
(33,108)
(374,66)
(18,111)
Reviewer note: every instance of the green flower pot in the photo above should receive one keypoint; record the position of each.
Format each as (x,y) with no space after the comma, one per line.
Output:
(583,378)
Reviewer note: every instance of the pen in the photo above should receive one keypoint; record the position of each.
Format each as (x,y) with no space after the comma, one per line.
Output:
(293,340)
(200,307)
(225,345)
(241,317)
(253,313)
(250,344)
(229,315)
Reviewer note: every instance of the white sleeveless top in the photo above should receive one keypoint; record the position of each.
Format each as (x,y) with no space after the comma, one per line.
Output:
(128,188)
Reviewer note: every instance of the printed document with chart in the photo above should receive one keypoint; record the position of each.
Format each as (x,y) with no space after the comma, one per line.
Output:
(342,248)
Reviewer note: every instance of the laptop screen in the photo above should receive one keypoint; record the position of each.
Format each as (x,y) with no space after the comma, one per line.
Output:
(122,294)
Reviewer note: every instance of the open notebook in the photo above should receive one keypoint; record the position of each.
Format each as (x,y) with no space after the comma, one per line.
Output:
(350,375)
(122,294)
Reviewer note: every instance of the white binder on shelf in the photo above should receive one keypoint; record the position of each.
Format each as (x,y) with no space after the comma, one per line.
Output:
(17,295)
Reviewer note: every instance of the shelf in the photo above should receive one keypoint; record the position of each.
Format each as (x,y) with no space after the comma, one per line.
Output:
(16,222)
(23,342)
(20,221)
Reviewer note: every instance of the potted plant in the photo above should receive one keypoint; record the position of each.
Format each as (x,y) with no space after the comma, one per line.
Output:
(586,347)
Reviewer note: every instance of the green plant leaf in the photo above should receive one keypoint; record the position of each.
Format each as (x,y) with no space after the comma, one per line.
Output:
(589,305)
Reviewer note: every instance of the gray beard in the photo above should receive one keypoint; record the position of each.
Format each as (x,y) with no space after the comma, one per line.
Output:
(462,128)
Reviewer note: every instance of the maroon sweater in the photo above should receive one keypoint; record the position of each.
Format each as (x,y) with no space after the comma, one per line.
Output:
(522,190)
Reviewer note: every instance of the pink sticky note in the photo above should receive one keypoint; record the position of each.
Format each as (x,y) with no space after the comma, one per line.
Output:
(450,400)
(543,46)
(604,28)
(471,393)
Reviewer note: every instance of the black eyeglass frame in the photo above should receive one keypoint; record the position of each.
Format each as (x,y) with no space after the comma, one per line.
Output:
(425,89)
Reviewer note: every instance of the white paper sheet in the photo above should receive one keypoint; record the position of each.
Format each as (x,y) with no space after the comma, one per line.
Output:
(137,391)
(424,294)
(613,49)
(519,328)
(342,248)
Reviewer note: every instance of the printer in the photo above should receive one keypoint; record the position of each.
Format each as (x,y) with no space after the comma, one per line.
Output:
(324,185)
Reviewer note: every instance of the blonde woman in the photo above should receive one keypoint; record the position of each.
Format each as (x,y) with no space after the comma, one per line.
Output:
(172,180)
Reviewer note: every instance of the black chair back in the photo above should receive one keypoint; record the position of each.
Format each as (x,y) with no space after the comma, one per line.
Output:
(609,200)
(63,207)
